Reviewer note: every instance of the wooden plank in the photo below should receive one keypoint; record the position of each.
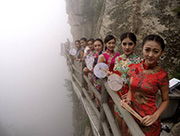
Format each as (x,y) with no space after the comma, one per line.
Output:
(95,133)
(104,99)
(76,90)
(91,103)
(106,130)
(82,74)
(175,95)
(76,69)
(70,59)
(76,80)
(78,65)
(111,120)
(133,126)
(97,94)
(92,116)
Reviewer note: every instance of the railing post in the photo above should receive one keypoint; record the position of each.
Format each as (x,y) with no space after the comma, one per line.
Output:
(82,78)
(104,99)
(72,61)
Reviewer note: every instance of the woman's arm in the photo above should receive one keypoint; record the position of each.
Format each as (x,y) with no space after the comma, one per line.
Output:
(150,119)
(127,99)
(129,95)
(100,59)
(85,70)
(165,100)
(81,55)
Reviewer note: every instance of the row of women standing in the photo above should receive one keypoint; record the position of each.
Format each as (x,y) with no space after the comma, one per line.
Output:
(142,78)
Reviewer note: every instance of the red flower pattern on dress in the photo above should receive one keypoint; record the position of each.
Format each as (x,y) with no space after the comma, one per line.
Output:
(119,59)
(96,55)
(137,71)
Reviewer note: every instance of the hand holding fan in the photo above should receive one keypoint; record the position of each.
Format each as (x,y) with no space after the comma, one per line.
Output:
(128,108)
(72,51)
(115,82)
(89,62)
(100,70)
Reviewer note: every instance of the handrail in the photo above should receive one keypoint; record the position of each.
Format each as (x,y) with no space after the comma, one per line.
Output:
(133,126)
(105,112)
(76,69)
(112,123)
(77,80)
(106,130)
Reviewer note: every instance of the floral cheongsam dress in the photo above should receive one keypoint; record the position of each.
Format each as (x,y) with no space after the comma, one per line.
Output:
(90,53)
(96,80)
(144,84)
(121,67)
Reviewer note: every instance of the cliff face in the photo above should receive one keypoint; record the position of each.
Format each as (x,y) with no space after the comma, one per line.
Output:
(97,18)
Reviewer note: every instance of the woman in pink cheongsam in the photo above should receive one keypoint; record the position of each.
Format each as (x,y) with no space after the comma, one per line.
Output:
(109,56)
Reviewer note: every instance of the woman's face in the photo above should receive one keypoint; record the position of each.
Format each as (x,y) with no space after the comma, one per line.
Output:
(98,46)
(77,44)
(127,46)
(90,45)
(151,52)
(111,44)
(83,43)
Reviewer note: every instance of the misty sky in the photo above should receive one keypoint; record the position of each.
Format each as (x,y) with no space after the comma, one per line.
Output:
(33,99)
(26,19)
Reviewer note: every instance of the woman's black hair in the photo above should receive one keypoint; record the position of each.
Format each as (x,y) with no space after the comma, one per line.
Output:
(77,41)
(108,38)
(98,39)
(91,39)
(155,38)
(84,39)
(129,35)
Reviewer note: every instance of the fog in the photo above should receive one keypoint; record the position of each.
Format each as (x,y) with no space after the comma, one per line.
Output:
(33,99)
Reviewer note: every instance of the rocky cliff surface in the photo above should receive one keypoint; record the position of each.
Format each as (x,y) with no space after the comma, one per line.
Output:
(97,18)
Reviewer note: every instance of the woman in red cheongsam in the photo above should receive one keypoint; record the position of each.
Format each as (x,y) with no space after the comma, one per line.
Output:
(146,79)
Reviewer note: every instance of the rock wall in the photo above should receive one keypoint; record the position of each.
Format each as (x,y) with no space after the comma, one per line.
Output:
(97,18)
